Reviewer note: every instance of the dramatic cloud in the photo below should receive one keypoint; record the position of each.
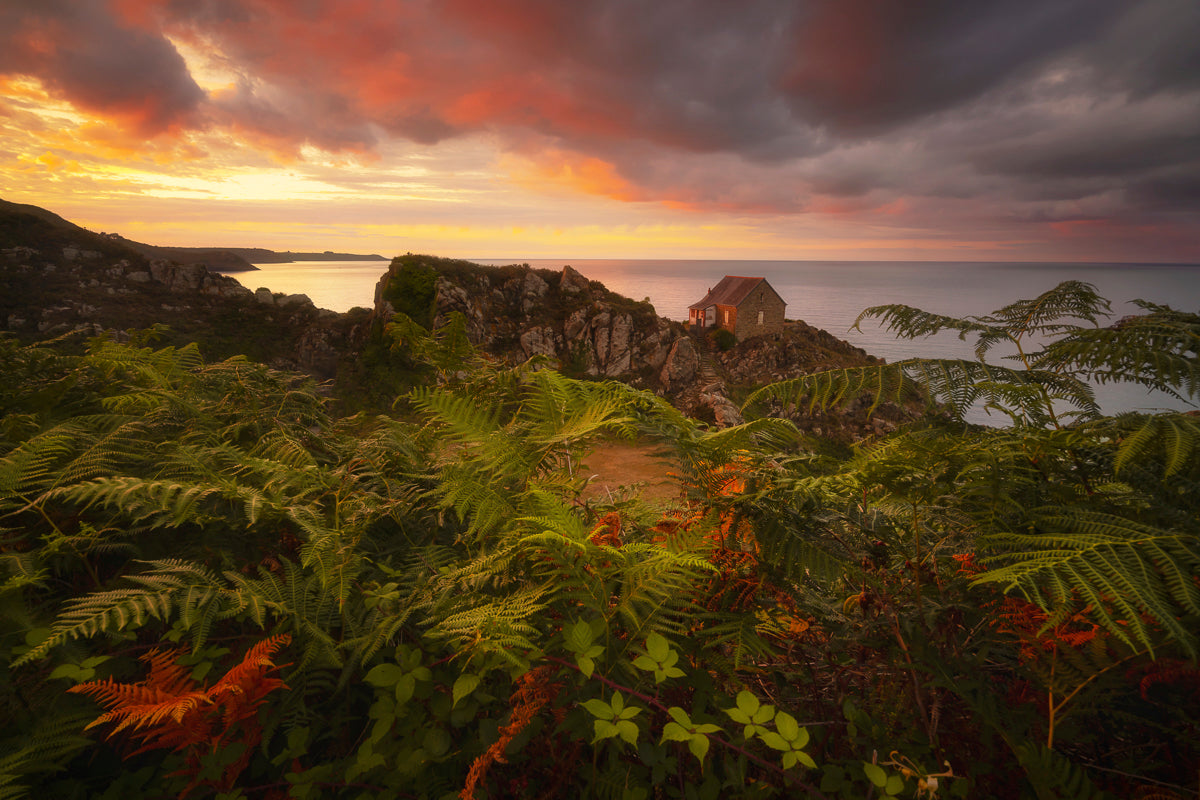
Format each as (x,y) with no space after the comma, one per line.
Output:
(85,54)
(990,114)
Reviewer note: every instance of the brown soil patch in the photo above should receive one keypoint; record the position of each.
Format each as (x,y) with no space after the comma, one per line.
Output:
(625,469)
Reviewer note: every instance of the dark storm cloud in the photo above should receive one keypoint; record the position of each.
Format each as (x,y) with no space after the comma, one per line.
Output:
(1155,48)
(81,51)
(878,63)
(1034,109)
(1174,192)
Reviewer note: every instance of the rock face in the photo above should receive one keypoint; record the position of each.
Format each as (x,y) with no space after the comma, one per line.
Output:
(57,279)
(518,312)
(680,365)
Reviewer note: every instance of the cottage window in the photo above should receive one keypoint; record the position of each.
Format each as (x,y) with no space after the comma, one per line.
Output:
(760,318)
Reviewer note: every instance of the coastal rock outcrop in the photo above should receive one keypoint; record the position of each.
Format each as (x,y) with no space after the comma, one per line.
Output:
(517,312)
(680,364)
(56,279)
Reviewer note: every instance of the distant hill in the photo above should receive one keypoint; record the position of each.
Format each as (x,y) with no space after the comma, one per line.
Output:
(237,259)
(58,279)
(218,259)
(258,255)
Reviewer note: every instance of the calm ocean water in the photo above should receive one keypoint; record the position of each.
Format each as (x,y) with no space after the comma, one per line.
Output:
(826,294)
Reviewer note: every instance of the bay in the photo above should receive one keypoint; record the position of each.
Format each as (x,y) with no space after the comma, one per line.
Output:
(825,294)
(335,285)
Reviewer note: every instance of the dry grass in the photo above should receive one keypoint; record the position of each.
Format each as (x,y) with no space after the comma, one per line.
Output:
(643,468)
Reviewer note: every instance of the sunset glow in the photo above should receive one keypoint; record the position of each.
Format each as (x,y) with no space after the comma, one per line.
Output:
(535,128)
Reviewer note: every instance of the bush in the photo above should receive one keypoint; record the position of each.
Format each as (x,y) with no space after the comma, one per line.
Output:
(723,338)
(412,290)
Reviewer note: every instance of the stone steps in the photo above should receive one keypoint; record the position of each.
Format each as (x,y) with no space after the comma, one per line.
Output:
(707,368)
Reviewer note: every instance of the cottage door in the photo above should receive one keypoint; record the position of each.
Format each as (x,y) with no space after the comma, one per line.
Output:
(710,316)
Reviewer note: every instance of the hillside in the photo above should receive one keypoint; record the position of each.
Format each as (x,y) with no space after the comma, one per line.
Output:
(260,255)
(57,278)
(517,312)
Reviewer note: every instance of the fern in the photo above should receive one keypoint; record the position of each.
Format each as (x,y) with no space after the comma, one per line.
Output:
(1047,314)
(1055,777)
(534,434)
(298,601)
(1133,577)
(1171,439)
(1157,349)
(1025,396)
(170,711)
(47,748)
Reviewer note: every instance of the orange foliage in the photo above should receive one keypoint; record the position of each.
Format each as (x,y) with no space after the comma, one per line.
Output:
(607,532)
(532,694)
(171,711)
(1169,671)
(1025,621)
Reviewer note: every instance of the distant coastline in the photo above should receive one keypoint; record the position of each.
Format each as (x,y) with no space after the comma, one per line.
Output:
(259,255)
(239,259)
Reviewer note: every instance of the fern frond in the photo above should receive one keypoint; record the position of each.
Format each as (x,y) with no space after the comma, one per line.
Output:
(1055,777)
(738,642)
(1173,439)
(955,383)
(1132,576)
(1014,322)
(333,556)
(169,586)
(834,388)
(504,625)
(798,551)
(47,748)
(1158,349)
(297,600)
(250,669)
(908,322)
(101,613)
(158,503)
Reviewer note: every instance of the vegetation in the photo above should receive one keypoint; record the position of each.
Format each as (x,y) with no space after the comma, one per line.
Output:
(723,338)
(211,586)
(412,289)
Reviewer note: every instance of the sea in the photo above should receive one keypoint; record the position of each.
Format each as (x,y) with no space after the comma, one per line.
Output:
(825,294)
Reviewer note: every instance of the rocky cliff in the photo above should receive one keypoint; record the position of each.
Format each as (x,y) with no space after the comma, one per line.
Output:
(516,312)
(56,279)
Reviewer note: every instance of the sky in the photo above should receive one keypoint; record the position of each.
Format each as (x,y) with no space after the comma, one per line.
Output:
(988,130)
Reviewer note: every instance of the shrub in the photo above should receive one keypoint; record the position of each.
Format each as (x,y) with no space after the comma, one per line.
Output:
(723,338)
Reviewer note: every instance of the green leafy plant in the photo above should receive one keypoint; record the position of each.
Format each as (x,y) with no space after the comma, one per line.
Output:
(1015,601)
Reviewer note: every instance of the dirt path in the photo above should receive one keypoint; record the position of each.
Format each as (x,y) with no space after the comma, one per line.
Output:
(620,464)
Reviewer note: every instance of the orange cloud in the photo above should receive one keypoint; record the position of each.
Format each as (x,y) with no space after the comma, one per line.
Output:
(556,170)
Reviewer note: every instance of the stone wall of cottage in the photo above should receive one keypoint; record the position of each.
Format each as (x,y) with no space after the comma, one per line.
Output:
(762,303)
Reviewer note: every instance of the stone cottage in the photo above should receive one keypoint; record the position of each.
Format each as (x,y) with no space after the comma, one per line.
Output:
(745,306)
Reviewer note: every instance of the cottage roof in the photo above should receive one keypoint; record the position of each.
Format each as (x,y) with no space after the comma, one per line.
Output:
(731,291)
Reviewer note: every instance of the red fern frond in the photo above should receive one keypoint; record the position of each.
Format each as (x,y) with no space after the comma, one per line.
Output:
(167,674)
(149,715)
(1171,671)
(111,694)
(168,711)
(608,531)
(534,691)
(244,677)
